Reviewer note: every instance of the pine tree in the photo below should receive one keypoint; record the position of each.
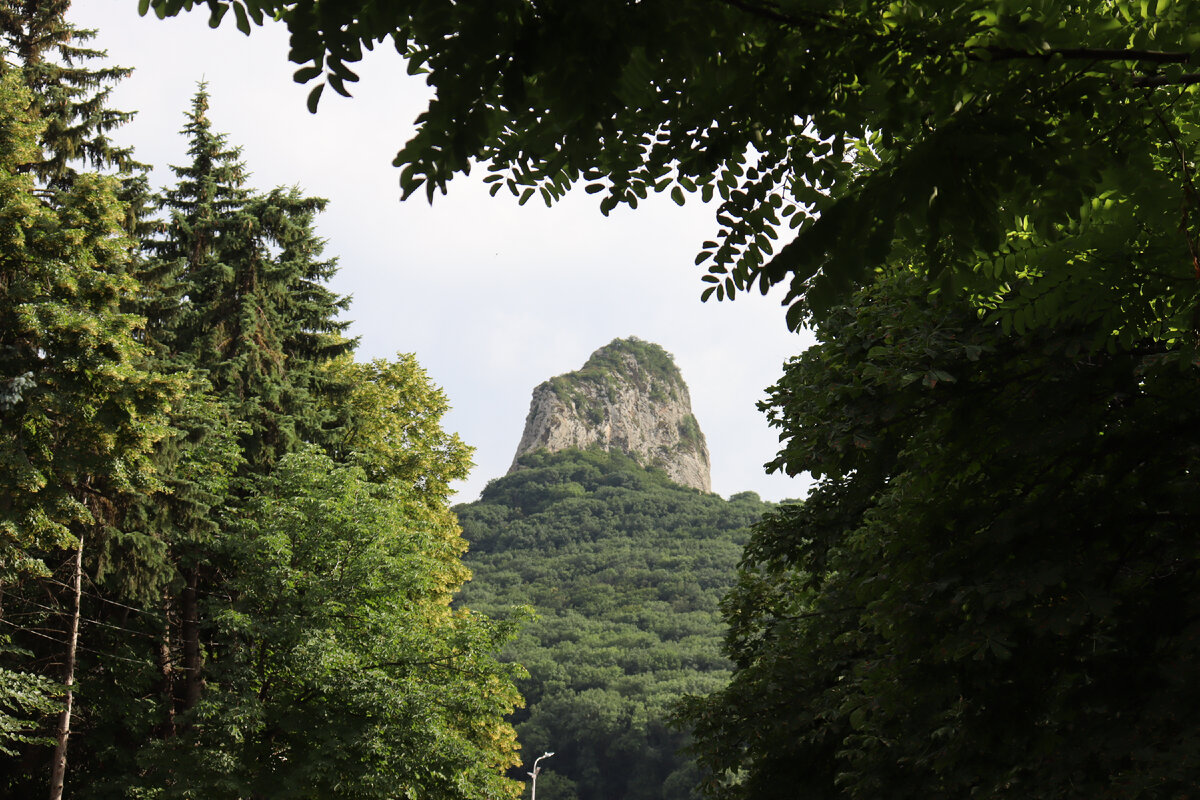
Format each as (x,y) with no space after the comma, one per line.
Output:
(80,405)
(257,319)
(70,95)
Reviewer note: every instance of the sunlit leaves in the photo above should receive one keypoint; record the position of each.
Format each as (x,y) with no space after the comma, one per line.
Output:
(89,407)
(343,667)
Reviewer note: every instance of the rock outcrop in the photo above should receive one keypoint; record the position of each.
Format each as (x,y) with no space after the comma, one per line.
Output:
(630,397)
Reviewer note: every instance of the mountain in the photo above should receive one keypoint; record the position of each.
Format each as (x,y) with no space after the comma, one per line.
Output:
(625,569)
(628,397)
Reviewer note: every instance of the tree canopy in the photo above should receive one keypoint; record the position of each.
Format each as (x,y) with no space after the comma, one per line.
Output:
(227,556)
(991,592)
(625,571)
(1038,155)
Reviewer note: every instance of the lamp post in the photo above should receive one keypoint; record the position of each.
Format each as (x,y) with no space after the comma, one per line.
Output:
(534,774)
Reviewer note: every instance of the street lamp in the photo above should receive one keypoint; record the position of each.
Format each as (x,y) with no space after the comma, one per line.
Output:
(534,774)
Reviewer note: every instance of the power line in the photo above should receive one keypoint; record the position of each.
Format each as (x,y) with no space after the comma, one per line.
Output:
(88,620)
(79,646)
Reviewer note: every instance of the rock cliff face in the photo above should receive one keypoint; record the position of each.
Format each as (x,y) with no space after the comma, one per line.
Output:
(629,396)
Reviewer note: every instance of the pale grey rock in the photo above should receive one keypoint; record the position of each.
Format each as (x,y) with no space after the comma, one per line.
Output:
(629,397)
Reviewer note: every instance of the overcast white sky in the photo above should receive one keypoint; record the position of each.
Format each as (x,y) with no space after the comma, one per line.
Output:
(493,298)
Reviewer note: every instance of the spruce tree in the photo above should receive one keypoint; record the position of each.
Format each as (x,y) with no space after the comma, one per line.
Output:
(69,93)
(235,302)
(81,408)
(257,318)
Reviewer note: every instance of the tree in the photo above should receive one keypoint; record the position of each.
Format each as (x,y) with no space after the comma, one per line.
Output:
(1039,156)
(992,590)
(81,407)
(625,571)
(998,552)
(235,303)
(79,402)
(52,56)
(394,425)
(343,671)
(256,317)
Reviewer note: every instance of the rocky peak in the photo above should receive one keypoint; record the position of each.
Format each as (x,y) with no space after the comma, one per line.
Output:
(630,397)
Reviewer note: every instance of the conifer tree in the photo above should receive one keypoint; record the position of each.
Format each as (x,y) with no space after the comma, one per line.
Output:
(257,319)
(69,94)
(80,406)
(238,305)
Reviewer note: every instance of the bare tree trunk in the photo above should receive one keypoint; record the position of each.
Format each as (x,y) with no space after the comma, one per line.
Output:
(58,770)
(192,665)
(166,666)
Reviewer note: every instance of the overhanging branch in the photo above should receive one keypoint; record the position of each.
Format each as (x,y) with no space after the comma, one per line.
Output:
(1082,53)
(1152,81)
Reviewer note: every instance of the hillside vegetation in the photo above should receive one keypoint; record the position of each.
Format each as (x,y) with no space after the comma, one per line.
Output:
(625,570)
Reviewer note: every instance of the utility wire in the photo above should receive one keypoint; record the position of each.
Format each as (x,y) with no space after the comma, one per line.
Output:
(81,647)
(89,620)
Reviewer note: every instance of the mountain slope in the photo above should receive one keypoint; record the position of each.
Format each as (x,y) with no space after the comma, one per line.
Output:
(626,569)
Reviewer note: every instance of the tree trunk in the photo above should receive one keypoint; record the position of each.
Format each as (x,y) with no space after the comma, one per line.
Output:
(192,665)
(166,665)
(58,770)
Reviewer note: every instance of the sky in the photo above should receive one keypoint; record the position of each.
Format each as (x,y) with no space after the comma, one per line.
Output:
(492,297)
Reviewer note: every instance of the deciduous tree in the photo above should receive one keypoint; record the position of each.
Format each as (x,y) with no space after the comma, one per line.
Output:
(1038,155)
(343,671)
(991,592)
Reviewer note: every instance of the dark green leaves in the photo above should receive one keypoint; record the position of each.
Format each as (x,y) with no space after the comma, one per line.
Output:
(625,571)
(872,135)
(314,96)
(971,571)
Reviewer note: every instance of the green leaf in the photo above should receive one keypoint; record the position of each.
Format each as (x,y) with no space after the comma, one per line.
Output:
(243,22)
(217,12)
(314,97)
(306,74)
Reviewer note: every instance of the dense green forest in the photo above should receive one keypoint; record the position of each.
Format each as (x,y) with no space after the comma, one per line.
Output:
(226,550)
(625,571)
(988,213)
(986,210)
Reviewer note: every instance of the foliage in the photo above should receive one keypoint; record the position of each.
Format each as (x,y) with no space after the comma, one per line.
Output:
(1037,155)
(70,97)
(256,317)
(992,590)
(266,610)
(624,569)
(393,429)
(24,696)
(81,406)
(343,672)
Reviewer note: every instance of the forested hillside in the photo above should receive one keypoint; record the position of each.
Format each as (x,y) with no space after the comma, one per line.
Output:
(226,550)
(987,211)
(625,571)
